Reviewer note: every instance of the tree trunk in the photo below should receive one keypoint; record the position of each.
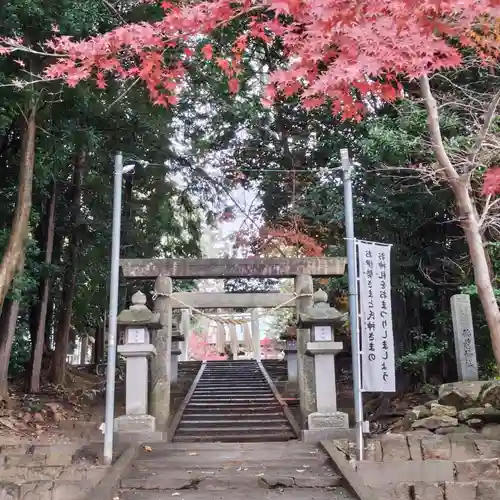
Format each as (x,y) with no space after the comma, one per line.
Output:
(14,252)
(37,353)
(479,259)
(69,280)
(99,343)
(469,220)
(8,321)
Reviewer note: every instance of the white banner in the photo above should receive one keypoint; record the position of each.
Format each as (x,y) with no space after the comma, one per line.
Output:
(377,340)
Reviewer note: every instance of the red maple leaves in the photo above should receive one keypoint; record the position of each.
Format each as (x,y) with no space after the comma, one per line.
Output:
(491,183)
(333,46)
(291,235)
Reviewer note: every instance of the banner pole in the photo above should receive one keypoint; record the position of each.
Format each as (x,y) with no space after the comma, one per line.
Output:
(347,171)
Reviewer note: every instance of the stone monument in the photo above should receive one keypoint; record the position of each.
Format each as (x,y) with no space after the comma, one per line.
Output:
(463,336)
(136,349)
(326,422)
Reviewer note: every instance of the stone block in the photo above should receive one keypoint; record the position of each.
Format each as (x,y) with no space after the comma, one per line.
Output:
(69,490)
(436,448)
(486,415)
(43,473)
(440,410)
(491,431)
(479,469)
(461,395)
(334,420)
(91,474)
(328,434)
(395,447)
(321,481)
(459,430)
(460,491)
(463,450)
(24,460)
(488,490)
(373,450)
(36,490)
(139,437)
(391,492)
(491,395)
(415,447)
(434,422)
(427,491)
(8,491)
(57,449)
(56,458)
(22,474)
(428,471)
(488,448)
(135,423)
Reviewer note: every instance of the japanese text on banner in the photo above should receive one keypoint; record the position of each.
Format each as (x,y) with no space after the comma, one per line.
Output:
(377,340)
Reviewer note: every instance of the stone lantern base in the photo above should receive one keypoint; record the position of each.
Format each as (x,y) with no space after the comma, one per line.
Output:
(135,424)
(331,425)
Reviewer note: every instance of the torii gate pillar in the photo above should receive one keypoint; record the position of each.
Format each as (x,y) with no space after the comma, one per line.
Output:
(255,334)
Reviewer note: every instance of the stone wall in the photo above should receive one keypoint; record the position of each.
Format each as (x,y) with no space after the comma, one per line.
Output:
(425,466)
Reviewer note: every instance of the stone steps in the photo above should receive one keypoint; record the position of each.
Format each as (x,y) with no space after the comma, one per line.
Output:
(218,407)
(240,494)
(232,471)
(208,480)
(233,402)
(237,437)
(248,415)
(232,421)
(58,472)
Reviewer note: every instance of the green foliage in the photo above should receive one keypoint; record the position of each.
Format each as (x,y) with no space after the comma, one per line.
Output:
(20,354)
(160,217)
(417,361)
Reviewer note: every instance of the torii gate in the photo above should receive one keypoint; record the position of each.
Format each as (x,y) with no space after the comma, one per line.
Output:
(200,301)
(164,270)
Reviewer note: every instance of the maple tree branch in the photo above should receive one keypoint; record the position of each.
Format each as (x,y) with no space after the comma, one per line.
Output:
(435,131)
(488,120)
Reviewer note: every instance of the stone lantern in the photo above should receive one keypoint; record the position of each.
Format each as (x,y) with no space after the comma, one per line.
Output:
(177,337)
(321,319)
(137,349)
(290,338)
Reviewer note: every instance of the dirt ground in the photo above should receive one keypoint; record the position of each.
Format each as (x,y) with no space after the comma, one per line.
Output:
(57,414)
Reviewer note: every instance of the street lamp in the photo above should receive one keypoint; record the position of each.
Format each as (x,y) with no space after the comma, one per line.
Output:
(113,306)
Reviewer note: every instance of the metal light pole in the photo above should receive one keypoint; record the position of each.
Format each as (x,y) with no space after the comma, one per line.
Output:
(113,308)
(347,170)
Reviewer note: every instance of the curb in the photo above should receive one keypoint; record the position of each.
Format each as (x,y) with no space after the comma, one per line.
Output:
(353,478)
(107,488)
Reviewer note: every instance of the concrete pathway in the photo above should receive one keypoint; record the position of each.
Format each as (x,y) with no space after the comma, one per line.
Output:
(232,471)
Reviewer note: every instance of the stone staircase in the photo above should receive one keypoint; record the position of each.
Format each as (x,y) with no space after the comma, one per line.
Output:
(276,368)
(56,472)
(233,402)
(232,471)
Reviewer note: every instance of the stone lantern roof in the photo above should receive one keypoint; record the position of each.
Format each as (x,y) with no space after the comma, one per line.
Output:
(321,313)
(138,314)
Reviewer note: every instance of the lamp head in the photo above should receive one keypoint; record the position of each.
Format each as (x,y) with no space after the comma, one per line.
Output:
(128,168)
